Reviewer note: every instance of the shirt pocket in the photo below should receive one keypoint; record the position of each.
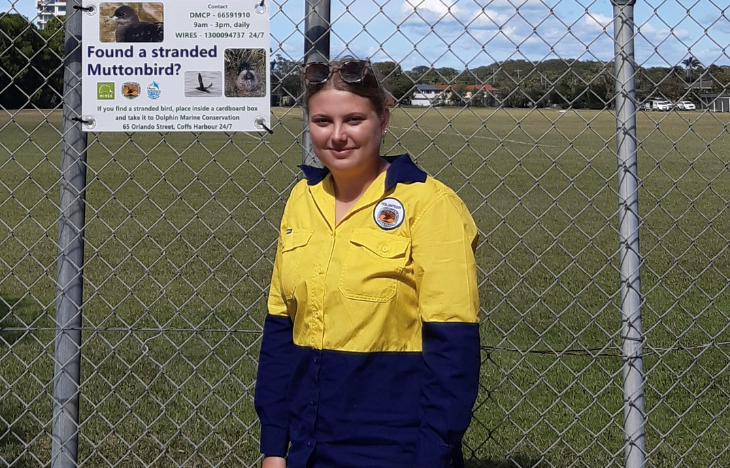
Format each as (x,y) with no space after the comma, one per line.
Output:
(293,245)
(373,265)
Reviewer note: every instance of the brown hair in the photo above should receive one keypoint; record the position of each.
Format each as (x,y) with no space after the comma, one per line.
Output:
(369,87)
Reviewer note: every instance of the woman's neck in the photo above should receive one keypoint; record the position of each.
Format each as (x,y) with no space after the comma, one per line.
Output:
(350,187)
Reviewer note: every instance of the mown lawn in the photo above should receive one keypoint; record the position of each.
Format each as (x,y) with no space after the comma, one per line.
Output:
(181,231)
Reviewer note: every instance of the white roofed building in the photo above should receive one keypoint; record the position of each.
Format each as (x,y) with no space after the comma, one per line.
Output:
(426,95)
(47,9)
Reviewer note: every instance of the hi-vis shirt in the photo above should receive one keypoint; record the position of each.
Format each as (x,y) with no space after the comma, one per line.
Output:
(370,353)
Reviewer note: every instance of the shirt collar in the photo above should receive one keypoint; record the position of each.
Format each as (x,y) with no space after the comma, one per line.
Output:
(402,169)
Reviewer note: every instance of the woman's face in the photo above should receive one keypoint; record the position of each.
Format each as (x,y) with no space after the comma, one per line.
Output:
(346,131)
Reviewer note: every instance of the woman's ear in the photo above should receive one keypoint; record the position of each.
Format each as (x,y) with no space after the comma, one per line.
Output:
(384,120)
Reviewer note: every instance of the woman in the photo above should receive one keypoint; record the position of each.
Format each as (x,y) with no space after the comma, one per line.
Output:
(370,354)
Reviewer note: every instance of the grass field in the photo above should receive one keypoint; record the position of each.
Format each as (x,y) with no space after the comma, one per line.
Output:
(180,236)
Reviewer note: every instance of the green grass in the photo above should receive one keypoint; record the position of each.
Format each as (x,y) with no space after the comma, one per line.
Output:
(180,235)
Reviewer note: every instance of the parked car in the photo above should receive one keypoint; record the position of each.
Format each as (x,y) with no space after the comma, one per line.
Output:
(664,106)
(685,106)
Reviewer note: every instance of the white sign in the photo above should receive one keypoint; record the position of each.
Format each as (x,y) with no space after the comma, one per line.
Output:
(176,66)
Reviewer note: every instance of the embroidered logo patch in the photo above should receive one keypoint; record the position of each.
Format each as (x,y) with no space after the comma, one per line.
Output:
(389,214)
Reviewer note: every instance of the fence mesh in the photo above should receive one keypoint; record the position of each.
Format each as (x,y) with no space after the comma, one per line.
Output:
(509,103)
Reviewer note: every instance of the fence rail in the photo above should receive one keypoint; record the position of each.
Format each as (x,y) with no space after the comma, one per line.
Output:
(548,118)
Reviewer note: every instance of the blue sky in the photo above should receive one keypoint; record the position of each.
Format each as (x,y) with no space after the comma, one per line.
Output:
(471,33)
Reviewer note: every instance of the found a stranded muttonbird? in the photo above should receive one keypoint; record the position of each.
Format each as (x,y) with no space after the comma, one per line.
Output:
(130,29)
(246,81)
(202,87)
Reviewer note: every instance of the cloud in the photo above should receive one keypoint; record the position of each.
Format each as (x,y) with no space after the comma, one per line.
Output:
(722,25)
(431,8)
(597,22)
(656,35)
(508,28)
(438,13)
(455,33)
(660,46)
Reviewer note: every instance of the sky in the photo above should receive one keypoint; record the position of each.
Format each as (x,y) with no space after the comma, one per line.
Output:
(472,33)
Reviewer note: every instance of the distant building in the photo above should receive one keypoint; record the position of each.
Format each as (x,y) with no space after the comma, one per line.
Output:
(434,95)
(47,9)
(425,95)
(716,102)
(700,85)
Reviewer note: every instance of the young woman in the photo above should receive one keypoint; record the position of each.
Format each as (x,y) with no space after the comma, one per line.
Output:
(370,353)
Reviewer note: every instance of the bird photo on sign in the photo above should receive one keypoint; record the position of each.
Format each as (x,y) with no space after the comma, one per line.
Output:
(131,22)
(130,90)
(203,83)
(245,71)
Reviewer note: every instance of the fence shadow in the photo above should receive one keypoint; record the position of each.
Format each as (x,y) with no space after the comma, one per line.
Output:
(11,438)
(13,432)
(8,322)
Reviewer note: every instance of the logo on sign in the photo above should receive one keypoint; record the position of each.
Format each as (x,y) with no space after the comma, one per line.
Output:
(104,91)
(153,90)
(130,90)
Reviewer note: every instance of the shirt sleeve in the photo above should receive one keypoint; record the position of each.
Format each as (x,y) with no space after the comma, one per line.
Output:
(444,238)
(274,370)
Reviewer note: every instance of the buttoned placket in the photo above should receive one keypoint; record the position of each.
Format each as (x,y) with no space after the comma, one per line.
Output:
(317,292)
(323,195)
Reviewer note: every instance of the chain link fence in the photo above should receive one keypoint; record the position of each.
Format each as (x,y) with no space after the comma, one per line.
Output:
(512,104)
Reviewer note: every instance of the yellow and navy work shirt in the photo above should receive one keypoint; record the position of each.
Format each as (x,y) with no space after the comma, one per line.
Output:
(370,353)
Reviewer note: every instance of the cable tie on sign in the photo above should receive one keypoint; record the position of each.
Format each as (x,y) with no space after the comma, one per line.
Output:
(262,3)
(82,120)
(83,8)
(261,123)
(271,132)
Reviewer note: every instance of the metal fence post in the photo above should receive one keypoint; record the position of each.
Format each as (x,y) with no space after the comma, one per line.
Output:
(67,367)
(316,49)
(630,260)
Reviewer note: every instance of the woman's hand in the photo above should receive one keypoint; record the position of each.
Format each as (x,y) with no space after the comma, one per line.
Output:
(274,462)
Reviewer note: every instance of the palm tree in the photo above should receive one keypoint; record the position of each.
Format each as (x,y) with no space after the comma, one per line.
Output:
(691,64)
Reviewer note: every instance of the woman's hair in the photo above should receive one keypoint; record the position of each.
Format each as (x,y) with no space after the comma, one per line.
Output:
(368,88)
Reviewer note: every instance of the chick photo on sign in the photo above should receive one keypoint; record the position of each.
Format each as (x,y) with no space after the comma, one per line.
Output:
(131,22)
(245,72)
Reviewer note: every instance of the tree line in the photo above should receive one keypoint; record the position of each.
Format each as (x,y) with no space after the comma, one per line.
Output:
(521,83)
(31,75)
(31,63)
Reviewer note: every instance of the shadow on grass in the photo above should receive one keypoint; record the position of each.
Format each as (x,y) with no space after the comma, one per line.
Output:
(517,461)
(8,322)
(13,449)
(13,432)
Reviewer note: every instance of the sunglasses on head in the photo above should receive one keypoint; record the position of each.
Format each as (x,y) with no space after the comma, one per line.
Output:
(351,71)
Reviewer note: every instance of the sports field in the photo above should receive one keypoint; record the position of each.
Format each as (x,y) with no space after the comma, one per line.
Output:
(181,231)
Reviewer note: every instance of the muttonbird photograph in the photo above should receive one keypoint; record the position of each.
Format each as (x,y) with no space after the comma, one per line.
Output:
(246,80)
(203,83)
(131,22)
(245,71)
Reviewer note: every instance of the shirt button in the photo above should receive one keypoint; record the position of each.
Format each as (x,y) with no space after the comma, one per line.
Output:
(384,248)
(317,270)
(315,359)
(311,402)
